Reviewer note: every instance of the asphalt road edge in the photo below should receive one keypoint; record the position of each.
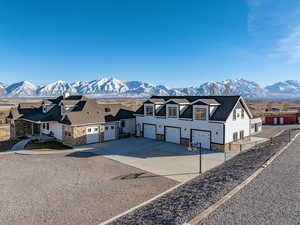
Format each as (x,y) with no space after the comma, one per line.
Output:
(196,220)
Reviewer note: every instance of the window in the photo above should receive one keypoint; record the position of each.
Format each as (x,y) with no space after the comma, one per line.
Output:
(112,127)
(243,114)
(47,126)
(234,114)
(44,126)
(172,112)
(89,130)
(106,128)
(235,136)
(95,129)
(123,124)
(149,110)
(241,134)
(200,114)
(107,109)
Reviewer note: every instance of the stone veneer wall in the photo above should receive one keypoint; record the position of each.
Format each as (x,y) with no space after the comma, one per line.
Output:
(5,132)
(78,134)
(160,137)
(185,141)
(231,146)
(67,135)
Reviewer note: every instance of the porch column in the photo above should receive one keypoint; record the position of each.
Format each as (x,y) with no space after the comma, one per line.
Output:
(32,129)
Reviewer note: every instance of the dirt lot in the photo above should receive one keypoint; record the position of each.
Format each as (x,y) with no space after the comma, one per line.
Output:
(269,131)
(73,189)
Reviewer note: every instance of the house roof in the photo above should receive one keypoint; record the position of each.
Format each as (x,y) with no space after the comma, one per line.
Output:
(85,111)
(225,105)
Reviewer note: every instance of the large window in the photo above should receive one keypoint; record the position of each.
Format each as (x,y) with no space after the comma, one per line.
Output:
(172,112)
(149,110)
(243,113)
(200,114)
(235,136)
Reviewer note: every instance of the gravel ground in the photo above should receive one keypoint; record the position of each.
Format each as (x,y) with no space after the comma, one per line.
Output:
(271,130)
(75,189)
(272,198)
(187,201)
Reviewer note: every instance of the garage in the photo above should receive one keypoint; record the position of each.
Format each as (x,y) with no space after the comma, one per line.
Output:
(109,132)
(92,134)
(202,137)
(149,131)
(172,134)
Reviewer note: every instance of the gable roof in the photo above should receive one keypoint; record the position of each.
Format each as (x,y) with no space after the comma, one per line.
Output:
(223,110)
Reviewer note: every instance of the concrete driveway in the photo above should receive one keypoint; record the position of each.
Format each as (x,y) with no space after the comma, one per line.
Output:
(161,158)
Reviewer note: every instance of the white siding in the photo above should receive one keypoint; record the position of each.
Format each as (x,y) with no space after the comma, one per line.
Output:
(237,125)
(56,129)
(185,125)
(129,125)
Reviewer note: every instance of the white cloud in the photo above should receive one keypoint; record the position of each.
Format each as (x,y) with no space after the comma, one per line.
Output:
(289,46)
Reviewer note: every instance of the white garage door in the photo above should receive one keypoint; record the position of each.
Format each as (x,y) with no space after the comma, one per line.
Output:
(92,134)
(149,131)
(202,137)
(109,132)
(173,135)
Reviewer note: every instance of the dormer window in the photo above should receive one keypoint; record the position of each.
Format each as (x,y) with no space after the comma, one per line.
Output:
(200,114)
(172,112)
(149,110)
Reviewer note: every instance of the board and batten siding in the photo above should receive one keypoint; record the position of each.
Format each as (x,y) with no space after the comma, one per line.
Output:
(185,125)
(237,125)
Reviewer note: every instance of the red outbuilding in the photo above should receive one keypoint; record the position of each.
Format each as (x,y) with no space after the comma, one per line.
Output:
(283,119)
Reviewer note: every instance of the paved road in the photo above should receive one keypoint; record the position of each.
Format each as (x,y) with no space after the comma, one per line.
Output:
(72,189)
(273,198)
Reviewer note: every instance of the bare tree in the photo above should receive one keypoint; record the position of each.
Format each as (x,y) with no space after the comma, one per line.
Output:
(214,89)
(227,90)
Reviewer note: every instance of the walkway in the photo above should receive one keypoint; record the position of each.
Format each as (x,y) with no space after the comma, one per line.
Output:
(20,145)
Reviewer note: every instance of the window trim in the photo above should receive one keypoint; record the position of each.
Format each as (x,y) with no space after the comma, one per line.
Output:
(234,115)
(176,110)
(237,136)
(149,107)
(200,109)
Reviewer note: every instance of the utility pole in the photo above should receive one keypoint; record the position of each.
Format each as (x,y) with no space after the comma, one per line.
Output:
(200,158)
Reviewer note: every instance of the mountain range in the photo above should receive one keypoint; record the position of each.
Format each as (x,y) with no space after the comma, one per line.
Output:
(115,87)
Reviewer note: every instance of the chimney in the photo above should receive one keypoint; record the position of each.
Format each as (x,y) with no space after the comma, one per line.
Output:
(66,94)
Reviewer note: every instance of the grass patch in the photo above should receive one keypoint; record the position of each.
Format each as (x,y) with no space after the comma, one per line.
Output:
(37,145)
(7,145)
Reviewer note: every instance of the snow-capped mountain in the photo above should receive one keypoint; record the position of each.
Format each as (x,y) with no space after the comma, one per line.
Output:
(116,87)
(21,89)
(56,88)
(2,89)
(289,87)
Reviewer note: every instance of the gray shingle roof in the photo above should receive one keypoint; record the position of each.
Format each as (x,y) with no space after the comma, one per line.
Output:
(226,105)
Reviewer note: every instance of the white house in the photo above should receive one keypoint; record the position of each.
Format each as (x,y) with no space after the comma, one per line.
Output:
(214,121)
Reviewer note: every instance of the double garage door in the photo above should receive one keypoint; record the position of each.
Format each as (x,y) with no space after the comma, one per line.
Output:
(93,134)
(172,133)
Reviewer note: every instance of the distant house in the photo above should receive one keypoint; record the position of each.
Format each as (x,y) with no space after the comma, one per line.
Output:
(215,122)
(74,120)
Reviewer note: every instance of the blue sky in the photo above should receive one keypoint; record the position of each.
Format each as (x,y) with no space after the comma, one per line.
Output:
(173,42)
